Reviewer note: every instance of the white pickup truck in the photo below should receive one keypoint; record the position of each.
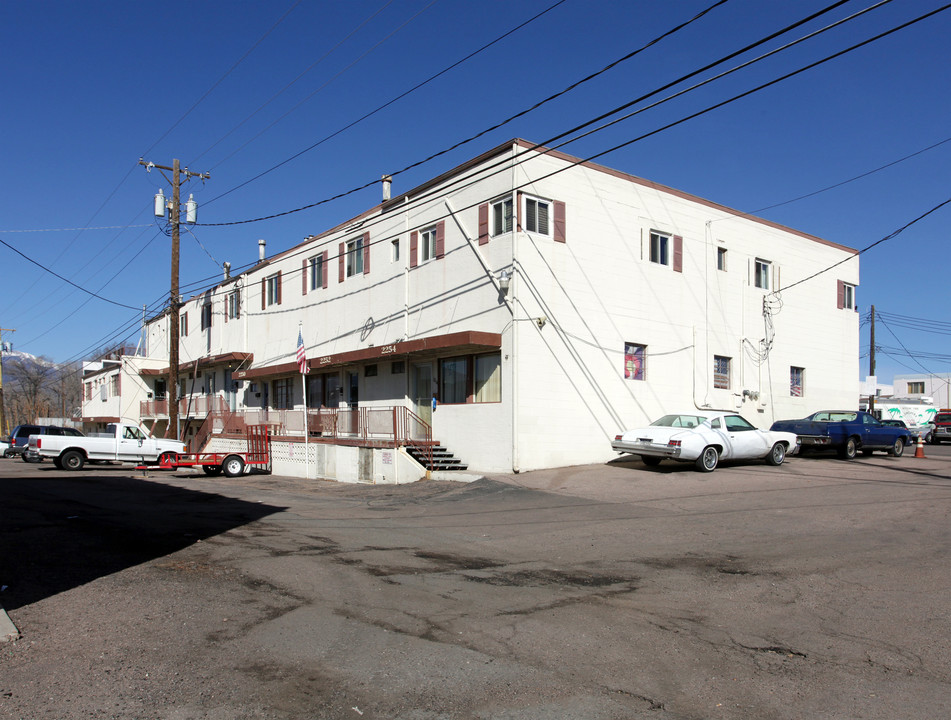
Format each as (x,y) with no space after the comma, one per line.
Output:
(121,441)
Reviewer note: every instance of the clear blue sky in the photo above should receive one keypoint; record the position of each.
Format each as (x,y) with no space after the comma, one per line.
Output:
(91,87)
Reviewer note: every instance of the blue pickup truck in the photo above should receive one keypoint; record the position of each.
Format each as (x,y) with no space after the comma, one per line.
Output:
(847,432)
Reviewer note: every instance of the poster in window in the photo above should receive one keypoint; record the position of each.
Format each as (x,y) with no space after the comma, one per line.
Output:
(634,361)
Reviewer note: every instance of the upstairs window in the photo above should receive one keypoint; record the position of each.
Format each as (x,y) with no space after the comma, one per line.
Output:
(234,305)
(634,357)
(316,272)
(916,388)
(355,257)
(761,274)
(427,240)
(502,217)
(273,290)
(395,250)
(721,259)
(206,315)
(537,213)
(660,248)
(183,324)
(845,296)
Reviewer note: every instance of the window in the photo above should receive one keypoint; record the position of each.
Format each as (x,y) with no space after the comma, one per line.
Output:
(721,372)
(282,393)
(797,377)
(355,257)
(721,259)
(736,423)
(316,272)
(183,324)
(115,381)
(234,305)
(761,274)
(206,315)
(634,356)
(846,296)
(369,371)
(452,380)
(488,378)
(916,388)
(428,244)
(89,391)
(660,248)
(395,250)
(536,216)
(273,287)
(398,367)
(502,217)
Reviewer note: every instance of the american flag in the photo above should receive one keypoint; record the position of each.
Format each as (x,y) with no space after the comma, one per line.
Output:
(301,355)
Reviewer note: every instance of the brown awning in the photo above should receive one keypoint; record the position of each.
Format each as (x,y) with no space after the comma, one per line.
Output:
(461,342)
(232,357)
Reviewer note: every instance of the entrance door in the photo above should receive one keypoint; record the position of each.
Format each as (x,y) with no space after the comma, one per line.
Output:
(422,392)
(231,396)
(353,399)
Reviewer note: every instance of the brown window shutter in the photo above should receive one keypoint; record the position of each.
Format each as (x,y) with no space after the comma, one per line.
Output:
(343,253)
(303,277)
(323,271)
(441,239)
(226,310)
(560,229)
(366,253)
(484,223)
(264,293)
(413,249)
(840,294)
(678,253)
(278,287)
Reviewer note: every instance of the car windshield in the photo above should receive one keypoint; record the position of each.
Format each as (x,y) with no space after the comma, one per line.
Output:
(942,417)
(680,421)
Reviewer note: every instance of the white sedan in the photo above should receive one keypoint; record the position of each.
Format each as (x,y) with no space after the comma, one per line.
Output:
(703,438)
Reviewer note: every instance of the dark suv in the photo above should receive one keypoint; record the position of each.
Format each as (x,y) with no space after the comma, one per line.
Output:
(21,435)
(942,427)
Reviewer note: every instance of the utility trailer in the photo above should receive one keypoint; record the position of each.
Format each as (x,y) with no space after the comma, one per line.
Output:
(232,464)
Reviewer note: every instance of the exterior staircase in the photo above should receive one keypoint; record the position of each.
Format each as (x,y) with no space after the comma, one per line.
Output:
(443,459)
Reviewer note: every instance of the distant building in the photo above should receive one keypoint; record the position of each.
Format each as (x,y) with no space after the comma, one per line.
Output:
(934,385)
(520,309)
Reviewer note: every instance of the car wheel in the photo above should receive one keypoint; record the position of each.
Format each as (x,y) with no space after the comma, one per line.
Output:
(849,450)
(707,462)
(167,459)
(72,460)
(898,448)
(650,460)
(233,466)
(211,469)
(777,454)
(27,459)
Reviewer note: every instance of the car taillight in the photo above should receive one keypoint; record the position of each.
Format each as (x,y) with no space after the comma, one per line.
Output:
(618,437)
(39,443)
(674,443)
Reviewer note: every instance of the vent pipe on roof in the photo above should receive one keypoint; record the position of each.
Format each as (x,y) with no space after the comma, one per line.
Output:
(262,243)
(387,182)
(227,269)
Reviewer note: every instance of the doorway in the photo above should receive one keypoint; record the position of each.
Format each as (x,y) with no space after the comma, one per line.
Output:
(421,392)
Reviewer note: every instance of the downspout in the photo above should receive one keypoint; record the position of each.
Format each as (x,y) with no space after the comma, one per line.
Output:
(512,290)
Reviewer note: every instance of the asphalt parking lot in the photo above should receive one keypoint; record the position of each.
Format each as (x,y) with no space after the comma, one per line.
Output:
(819,589)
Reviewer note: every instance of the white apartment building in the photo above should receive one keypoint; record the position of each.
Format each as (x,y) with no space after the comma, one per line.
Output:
(933,385)
(544,303)
(115,387)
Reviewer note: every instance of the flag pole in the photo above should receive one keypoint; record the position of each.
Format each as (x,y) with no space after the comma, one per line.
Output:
(302,364)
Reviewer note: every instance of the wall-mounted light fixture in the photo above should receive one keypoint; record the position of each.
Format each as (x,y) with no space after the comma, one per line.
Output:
(505,281)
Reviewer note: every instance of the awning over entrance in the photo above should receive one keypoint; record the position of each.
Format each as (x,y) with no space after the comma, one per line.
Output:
(470,341)
(237,358)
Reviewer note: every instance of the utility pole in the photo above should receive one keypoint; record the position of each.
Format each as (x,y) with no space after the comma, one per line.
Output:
(174,213)
(3,417)
(871,362)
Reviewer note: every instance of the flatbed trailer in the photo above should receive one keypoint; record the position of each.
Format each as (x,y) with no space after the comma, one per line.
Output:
(232,464)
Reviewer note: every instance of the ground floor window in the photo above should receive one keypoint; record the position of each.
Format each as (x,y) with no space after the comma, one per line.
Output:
(634,357)
(797,377)
(721,372)
(470,378)
(283,392)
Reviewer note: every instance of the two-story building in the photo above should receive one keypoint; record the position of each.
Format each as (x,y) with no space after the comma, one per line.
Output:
(522,308)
